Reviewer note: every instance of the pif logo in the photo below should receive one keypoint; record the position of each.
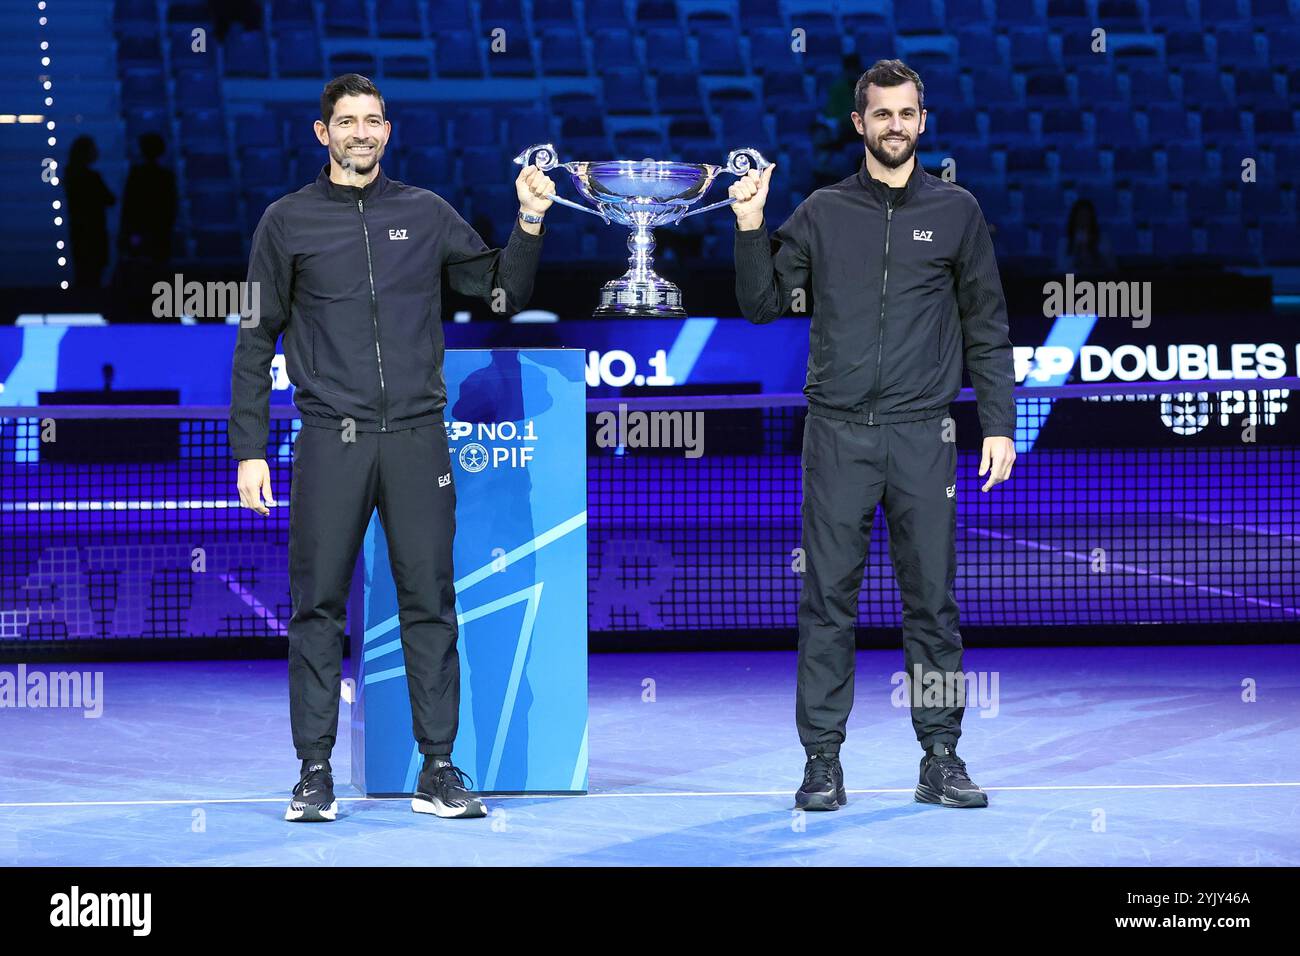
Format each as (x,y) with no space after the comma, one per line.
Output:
(396,233)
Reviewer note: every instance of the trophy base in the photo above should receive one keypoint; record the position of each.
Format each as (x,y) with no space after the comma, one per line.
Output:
(658,298)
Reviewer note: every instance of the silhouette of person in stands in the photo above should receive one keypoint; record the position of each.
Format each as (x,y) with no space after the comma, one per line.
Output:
(840,102)
(88,198)
(1086,249)
(148,206)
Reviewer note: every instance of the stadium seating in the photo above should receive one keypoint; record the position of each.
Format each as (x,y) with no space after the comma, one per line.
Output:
(1034,116)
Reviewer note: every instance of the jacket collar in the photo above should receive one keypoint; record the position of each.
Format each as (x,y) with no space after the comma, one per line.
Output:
(881,191)
(332,190)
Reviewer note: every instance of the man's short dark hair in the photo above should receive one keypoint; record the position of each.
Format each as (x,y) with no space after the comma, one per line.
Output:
(886,73)
(349,84)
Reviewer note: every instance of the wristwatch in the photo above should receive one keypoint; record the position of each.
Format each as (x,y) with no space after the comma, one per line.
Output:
(530,217)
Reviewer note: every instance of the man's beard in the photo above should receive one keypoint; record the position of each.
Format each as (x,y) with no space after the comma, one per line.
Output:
(887,159)
(358,164)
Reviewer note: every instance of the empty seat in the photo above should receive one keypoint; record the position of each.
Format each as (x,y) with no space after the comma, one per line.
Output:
(397,18)
(297,53)
(516,59)
(346,18)
(555,13)
(613,49)
(678,92)
(139,47)
(665,49)
(562,53)
(196,89)
(449,16)
(143,86)
(761,13)
(246,53)
(605,13)
(1120,15)
(784,88)
(428,167)
(297,13)
(457,54)
(407,66)
(262,167)
(920,17)
(474,128)
(656,12)
(352,61)
(525,127)
(625,92)
(769,51)
(719,51)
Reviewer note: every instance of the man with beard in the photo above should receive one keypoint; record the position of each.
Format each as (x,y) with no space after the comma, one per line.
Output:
(903,283)
(350,269)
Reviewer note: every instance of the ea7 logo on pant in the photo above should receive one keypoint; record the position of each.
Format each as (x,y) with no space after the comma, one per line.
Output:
(444,480)
(952,491)
(923,235)
(396,233)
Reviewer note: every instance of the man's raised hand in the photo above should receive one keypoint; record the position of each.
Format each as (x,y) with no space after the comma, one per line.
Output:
(750,193)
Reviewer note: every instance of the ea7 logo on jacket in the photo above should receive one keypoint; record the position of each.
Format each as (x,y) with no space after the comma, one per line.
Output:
(923,235)
(396,233)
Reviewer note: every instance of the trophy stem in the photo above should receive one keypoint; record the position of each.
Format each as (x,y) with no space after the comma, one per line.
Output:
(640,291)
(641,243)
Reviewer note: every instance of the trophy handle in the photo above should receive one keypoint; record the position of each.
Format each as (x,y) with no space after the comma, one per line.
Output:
(544,157)
(739,162)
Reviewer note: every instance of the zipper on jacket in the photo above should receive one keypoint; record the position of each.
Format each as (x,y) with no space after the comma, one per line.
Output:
(374,318)
(880,338)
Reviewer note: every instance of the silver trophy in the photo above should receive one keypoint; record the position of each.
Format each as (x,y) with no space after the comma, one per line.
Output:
(642,195)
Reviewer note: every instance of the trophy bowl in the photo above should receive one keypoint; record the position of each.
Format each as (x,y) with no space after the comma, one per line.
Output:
(642,195)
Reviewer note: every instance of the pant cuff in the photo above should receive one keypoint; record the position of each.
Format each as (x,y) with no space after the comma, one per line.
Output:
(832,749)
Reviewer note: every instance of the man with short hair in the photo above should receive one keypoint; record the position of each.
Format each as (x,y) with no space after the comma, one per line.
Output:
(903,281)
(351,269)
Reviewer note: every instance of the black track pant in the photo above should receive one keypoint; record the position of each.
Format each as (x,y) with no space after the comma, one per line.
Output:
(336,487)
(848,469)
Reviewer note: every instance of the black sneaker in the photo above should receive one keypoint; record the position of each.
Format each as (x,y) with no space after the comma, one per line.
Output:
(944,780)
(443,791)
(313,798)
(823,784)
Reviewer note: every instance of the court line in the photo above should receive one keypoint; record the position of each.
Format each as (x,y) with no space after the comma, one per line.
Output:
(1244,528)
(1135,569)
(653,794)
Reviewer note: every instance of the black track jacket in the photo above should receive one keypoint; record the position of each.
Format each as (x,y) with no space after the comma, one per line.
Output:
(353,278)
(900,294)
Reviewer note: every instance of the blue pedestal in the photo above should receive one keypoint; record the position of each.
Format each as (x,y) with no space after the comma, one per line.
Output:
(516,421)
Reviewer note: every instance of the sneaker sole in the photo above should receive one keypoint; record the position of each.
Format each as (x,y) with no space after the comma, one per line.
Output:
(312,814)
(422,804)
(820,801)
(927,794)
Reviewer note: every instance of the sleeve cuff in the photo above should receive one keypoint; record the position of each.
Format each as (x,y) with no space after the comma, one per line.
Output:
(527,236)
